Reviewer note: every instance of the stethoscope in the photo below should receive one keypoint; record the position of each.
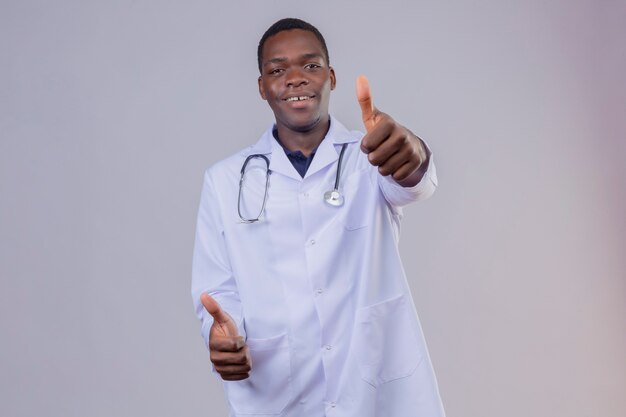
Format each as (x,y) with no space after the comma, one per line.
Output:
(332,197)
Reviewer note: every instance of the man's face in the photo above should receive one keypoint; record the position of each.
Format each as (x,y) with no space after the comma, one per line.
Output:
(296,80)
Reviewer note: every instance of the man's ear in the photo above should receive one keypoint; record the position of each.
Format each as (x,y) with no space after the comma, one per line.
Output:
(261,90)
(333,78)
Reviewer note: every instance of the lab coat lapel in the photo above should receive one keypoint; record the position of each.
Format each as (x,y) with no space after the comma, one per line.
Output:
(326,154)
(279,163)
(328,150)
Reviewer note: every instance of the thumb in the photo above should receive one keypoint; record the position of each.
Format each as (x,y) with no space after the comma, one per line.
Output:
(222,319)
(364,95)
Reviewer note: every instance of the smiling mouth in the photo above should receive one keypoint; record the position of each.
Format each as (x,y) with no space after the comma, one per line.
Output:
(299,98)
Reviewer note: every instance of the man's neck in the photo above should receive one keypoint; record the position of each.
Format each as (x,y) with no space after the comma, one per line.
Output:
(305,142)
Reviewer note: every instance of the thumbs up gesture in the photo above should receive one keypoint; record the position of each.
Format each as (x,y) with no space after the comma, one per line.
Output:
(228,350)
(394,149)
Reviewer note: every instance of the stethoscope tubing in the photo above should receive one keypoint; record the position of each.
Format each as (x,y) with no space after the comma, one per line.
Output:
(332,197)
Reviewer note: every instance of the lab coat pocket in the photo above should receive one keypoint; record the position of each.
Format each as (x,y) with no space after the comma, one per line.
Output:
(386,338)
(267,390)
(358,210)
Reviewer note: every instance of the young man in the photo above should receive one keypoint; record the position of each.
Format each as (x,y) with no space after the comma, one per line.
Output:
(296,273)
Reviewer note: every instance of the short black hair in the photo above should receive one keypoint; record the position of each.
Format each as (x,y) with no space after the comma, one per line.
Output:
(289,23)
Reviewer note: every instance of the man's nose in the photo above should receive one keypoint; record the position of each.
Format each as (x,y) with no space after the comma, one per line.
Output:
(296,78)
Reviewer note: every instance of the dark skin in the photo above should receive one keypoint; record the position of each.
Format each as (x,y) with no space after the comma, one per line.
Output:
(296,82)
(294,65)
(228,350)
(393,148)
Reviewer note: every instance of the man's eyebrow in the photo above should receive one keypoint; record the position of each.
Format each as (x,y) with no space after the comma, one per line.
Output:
(275,60)
(308,55)
(312,55)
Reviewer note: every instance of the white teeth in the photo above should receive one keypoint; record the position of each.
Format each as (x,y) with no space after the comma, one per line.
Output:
(298,98)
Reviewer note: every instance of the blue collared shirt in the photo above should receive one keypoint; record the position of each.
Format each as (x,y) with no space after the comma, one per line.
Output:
(299,161)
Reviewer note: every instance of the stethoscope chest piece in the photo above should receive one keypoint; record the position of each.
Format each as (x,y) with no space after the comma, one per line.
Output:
(333,197)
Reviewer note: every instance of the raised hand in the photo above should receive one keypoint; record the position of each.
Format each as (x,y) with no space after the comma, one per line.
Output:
(394,149)
(228,350)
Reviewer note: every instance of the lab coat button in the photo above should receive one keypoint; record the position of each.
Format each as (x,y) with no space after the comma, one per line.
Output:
(333,405)
(319,291)
(312,242)
(328,347)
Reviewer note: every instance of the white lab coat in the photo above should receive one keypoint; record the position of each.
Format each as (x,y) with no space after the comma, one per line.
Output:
(318,291)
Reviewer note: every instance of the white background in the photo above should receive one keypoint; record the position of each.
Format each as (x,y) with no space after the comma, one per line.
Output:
(110,111)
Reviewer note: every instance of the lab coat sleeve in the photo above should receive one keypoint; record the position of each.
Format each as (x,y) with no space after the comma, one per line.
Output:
(211,268)
(398,196)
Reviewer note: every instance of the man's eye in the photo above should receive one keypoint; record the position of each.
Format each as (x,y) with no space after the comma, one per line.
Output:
(275,71)
(312,66)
